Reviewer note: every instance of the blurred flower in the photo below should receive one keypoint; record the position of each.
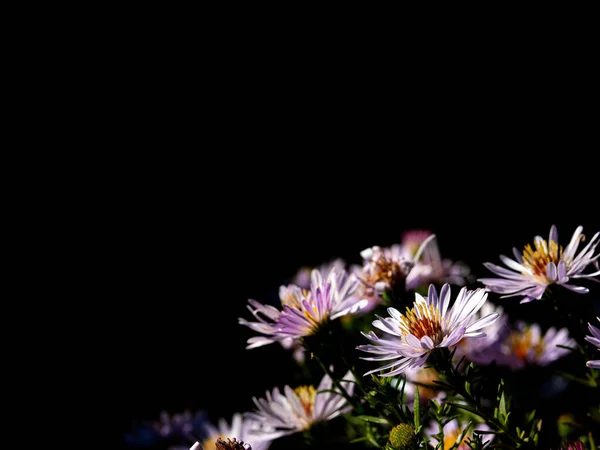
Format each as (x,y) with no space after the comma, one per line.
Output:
(594,339)
(546,264)
(428,325)
(304,312)
(419,378)
(471,349)
(452,431)
(430,267)
(302,277)
(526,345)
(180,428)
(239,430)
(231,445)
(297,409)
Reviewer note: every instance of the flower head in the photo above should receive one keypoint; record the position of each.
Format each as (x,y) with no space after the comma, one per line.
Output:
(297,409)
(430,267)
(527,345)
(304,312)
(386,269)
(239,431)
(546,263)
(594,339)
(428,325)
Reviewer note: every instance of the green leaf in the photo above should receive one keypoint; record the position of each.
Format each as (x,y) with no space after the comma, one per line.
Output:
(417,408)
(373,419)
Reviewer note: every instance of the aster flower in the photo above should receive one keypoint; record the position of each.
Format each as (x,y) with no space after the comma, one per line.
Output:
(430,267)
(452,432)
(428,325)
(297,409)
(547,263)
(527,345)
(594,339)
(304,312)
(239,432)
(386,269)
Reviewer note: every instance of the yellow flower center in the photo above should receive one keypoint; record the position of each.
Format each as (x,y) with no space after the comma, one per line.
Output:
(209,443)
(522,343)
(422,320)
(293,301)
(537,260)
(307,396)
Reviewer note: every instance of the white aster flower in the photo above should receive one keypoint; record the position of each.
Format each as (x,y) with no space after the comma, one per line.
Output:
(281,414)
(428,325)
(537,268)
(304,312)
(239,429)
(594,339)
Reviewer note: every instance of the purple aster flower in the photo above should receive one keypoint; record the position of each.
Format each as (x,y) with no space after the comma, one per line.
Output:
(545,264)
(527,345)
(280,414)
(594,339)
(304,312)
(428,325)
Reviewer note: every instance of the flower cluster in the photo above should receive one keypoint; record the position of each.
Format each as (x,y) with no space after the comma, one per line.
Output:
(404,349)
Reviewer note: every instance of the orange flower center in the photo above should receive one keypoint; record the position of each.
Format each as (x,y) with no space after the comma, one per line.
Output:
(537,259)
(422,320)
(307,396)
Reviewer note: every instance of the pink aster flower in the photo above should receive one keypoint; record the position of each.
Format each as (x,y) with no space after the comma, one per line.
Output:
(594,339)
(547,263)
(280,414)
(304,312)
(527,345)
(428,325)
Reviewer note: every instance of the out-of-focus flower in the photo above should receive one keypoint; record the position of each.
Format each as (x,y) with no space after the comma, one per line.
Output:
(240,430)
(428,325)
(302,277)
(547,263)
(421,378)
(304,312)
(594,339)
(170,429)
(452,431)
(527,345)
(430,267)
(472,348)
(297,409)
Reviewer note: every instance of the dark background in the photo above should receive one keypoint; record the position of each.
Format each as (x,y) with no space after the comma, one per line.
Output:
(197,246)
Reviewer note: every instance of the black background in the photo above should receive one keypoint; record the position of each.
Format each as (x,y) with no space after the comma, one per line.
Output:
(198,243)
